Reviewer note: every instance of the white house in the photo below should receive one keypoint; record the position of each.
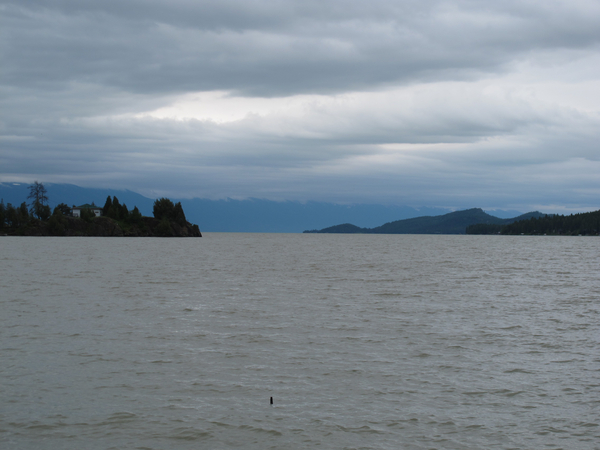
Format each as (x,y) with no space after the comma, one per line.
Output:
(95,209)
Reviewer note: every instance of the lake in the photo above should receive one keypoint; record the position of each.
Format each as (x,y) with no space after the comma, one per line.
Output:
(363,341)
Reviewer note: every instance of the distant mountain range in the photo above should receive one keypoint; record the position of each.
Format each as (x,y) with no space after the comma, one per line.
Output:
(250,215)
(451,223)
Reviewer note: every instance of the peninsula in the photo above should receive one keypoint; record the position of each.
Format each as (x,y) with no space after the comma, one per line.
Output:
(112,220)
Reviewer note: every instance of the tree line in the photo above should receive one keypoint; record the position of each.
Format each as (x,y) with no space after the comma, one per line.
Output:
(38,211)
(115,210)
(20,216)
(551,224)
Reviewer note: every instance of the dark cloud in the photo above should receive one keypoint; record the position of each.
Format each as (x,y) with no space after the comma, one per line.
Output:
(436,103)
(279,48)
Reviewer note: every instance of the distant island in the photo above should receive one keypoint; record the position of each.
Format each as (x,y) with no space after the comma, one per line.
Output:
(112,220)
(476,221)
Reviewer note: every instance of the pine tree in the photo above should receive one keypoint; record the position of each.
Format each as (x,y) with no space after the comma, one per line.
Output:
(178,214)
(116,209)
(2,214)
(107,206)
(163,209)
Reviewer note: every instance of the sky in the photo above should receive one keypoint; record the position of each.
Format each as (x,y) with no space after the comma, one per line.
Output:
(455,104)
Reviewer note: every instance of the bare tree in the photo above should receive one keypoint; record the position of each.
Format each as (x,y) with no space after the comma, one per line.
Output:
(37,192)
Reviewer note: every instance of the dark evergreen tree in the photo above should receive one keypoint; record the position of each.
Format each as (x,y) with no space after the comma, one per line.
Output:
(11,216)
(63,209)
(44,213)
(179,215)
(124,212)
(22,215)
(116,209)
(2,214)
(163,209)
(135,216)
(107,206)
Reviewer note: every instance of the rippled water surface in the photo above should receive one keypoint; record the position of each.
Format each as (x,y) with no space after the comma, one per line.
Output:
(363,341)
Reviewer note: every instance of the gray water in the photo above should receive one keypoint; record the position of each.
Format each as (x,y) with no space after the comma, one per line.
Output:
(363,341)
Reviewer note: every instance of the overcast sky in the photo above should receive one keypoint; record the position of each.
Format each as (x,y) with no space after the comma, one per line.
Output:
(459,103)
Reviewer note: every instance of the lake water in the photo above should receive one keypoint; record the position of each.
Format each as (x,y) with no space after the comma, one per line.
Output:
(363,341)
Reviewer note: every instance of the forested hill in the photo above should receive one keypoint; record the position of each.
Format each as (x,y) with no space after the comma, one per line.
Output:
(572,225)
(452,223)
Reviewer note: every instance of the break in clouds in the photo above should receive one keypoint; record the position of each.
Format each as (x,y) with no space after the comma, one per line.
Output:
(489,104)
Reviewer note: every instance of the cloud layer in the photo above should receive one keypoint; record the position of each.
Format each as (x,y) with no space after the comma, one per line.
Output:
(428,103)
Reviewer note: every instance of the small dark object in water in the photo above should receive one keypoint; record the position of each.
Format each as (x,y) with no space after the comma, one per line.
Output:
(271,400)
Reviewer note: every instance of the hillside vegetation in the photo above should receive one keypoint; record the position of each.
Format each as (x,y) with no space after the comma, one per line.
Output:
(36,219)
(451,223)
(587,224)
